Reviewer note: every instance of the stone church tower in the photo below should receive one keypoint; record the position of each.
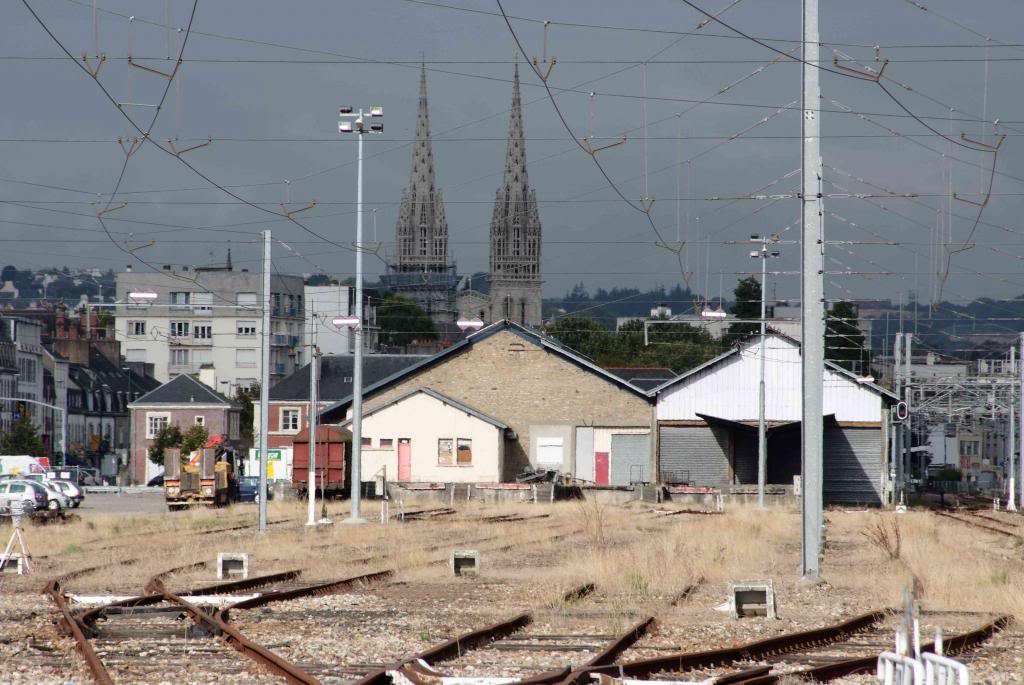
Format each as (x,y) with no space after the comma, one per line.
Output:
(421,267)
(515,281)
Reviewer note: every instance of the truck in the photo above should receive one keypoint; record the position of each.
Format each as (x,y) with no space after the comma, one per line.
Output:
(332,448)
(22,464)
(206,477)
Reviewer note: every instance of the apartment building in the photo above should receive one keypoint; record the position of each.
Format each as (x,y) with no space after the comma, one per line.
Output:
(26,334)
(201,317)
(325,303)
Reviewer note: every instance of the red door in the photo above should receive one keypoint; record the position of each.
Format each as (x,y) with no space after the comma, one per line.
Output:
(404,459)
(601,468)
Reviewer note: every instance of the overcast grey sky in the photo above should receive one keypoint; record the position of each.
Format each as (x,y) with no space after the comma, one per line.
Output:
(272,121)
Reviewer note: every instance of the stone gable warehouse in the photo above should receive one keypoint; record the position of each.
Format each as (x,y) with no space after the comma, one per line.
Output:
(561,411)
(707,424)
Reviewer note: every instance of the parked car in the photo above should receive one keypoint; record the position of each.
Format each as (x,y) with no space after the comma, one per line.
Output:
(56,499)
(248,489)
(156,481)
(32,495)
(70,490)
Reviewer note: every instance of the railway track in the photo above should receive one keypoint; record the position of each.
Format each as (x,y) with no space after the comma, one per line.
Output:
(985,523)
(161,633)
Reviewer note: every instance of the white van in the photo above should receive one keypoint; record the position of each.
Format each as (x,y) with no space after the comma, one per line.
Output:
(18,465)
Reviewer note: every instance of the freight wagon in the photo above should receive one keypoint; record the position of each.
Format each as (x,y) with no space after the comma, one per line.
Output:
(332,449)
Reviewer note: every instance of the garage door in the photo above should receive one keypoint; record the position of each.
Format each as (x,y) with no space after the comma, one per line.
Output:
(853,466)
(694,454)
(631,458)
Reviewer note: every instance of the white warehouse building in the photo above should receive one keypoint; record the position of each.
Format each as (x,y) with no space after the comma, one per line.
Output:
(708,418)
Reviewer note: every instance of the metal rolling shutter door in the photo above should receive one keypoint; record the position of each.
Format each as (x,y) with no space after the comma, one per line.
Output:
(853,466)
(630,457)
(696,452)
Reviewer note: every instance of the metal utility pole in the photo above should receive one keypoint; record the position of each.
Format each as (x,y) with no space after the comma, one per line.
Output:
(314,407)
(360,128)
(1011,504)
(811,301)
(896,452)
(264,383)
(1020,423)
(762,434)
(908,433)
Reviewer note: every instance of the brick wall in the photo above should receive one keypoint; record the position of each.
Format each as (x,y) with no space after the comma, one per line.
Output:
(521,384)
(216,423)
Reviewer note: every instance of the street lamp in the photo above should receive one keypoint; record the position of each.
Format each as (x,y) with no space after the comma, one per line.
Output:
(142,296)
(762,437)
(354,122)
(473,324)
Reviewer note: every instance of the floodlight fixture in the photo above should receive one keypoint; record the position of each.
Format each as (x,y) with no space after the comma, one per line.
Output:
(142,295)
(346,322)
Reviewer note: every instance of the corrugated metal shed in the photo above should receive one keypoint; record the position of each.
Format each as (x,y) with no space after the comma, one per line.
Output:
(727,388)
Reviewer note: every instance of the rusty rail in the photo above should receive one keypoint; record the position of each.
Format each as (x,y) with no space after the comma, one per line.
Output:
(82,644)
(451,648)
(239,585)
(261,655)
(979,525)
(309,591)
(821,674)
(685,661)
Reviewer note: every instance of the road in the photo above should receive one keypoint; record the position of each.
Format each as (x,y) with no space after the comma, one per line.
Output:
(98,503)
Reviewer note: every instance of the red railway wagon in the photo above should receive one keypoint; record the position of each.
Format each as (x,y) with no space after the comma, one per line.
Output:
(332,446)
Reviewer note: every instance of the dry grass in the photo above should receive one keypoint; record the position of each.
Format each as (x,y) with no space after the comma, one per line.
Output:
(957,567)
(634,557)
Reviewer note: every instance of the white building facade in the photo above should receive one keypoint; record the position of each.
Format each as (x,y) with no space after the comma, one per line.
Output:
(205,317)
(324,304)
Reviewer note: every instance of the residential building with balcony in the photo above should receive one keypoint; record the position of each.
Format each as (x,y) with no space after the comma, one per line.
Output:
(28,352)
(195,318)
(325,303)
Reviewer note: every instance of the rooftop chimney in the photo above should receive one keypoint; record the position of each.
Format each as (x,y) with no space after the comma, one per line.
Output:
(208,376)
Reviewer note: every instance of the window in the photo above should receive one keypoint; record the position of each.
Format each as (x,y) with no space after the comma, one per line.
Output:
(233,426)
(202,330)
(136,328)
(290,419)
(245,328)
(179,357)
(366,442)
(135,355)
(245,358)
(386,443)
(180,299)
(179,329)
(202,356)
(245,383)
(200,420)
(155,422)
(202,302)
(969,448)
(444,452)
(464,455)
(247,300)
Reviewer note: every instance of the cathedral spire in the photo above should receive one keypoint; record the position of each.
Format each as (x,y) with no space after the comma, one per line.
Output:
(515,154)
(515,279)
(421,235)
(422,179)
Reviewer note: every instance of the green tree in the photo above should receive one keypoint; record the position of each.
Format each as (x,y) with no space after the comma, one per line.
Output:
(245,398)
(582,334)
(747,306)
(844,342)
(402,321)
(23,438)
(172,436)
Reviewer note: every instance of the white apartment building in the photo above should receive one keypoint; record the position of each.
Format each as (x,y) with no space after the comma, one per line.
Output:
(210,316)
(324,303)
